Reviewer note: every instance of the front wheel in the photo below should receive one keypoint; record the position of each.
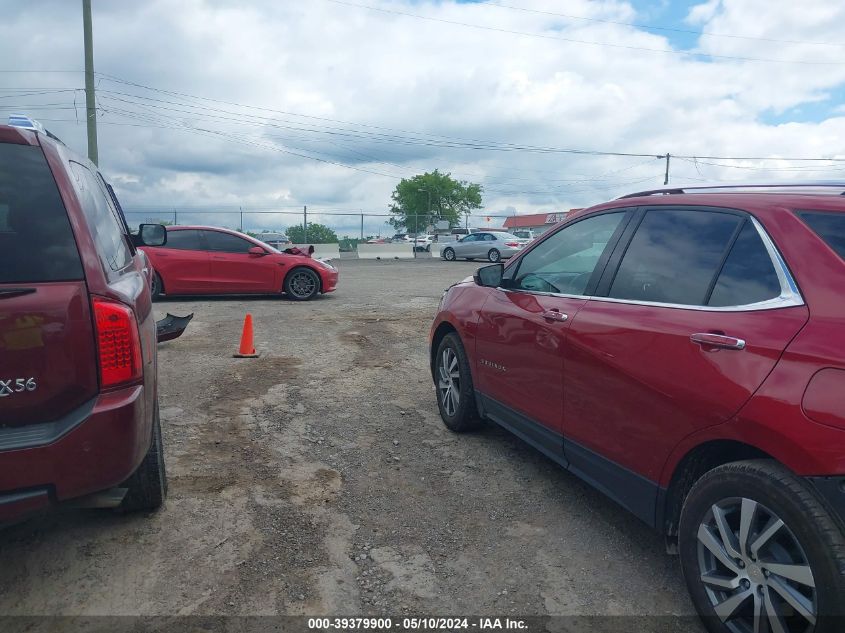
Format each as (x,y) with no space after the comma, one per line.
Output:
(449,255)
(302,284)
(760,553)
(455,393)
(494,255)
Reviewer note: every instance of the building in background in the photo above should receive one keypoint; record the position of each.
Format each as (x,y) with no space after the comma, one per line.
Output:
(538,223)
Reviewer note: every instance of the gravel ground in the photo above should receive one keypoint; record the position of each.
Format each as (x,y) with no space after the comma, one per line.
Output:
(318,479)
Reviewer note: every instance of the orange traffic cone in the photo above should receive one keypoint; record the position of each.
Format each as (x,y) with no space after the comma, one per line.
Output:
(247,348)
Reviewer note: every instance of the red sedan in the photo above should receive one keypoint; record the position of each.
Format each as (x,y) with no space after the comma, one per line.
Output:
(205,260)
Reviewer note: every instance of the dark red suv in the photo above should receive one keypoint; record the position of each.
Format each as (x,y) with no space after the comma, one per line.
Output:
(682,350)
(78,392)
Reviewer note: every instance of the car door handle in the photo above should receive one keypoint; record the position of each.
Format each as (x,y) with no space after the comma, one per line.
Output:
(719,341)
(555,315)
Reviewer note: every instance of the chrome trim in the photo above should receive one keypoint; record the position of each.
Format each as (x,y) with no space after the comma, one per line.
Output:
(789,294)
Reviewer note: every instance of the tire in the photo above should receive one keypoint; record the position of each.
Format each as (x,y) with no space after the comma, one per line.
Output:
(809,540)
(494,255)
(428,248)
(449,254)
(148,485)
(456,401)
(302,284)
(156,287)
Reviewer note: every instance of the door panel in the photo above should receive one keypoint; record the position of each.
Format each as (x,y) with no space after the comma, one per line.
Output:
(184,272)
(635,384)
(520,353)
(242,272)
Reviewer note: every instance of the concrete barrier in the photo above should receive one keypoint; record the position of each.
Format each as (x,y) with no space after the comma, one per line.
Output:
(385,251)
(322,251)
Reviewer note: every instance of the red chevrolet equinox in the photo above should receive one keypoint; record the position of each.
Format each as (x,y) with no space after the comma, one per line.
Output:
(683,351)
(78,392)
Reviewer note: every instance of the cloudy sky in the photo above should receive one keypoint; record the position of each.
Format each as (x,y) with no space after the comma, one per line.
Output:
(267,105)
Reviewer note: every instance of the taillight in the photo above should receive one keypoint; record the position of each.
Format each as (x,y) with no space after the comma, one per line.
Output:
(118,343)
(513,244)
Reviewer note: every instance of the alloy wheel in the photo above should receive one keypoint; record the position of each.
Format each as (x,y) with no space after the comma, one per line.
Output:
(494,255)
(449,383)
(449,254)
(754,571)
(303,284)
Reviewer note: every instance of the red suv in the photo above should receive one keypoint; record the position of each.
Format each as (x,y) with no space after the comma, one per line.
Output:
(78,391)
(205,260)
(682,350)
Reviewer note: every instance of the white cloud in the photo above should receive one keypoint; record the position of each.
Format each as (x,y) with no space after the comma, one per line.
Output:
(327,60)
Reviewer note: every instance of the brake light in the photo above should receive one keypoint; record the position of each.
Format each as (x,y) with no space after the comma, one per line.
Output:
(513,244)
(118,343)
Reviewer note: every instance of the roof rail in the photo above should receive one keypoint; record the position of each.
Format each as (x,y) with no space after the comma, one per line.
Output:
(828,187)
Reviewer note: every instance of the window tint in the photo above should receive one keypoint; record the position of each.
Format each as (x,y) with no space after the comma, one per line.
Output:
(36,241)
(674,256)
(225,242)
(830,227)
(104,225)
(748,275)
(185,240)
(471,238)
(565,261)
(489,238)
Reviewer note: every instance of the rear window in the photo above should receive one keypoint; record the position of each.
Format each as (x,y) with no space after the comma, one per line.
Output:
(36,241)
(830,227)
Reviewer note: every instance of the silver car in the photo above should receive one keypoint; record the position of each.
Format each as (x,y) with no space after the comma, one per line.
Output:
(490,246)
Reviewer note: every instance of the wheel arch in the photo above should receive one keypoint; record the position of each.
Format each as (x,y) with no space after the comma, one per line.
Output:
(440,333)
(313,269)
(696,462)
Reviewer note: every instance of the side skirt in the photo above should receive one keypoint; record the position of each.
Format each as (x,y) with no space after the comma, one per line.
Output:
(633,492)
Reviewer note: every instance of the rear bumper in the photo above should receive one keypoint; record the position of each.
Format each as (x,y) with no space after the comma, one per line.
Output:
(60,462)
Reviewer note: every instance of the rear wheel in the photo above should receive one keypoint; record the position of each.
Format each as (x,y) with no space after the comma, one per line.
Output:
(760,553)
(156,287)
(148,485)
(302,284)
(455,393)
(449,254)
(494,255)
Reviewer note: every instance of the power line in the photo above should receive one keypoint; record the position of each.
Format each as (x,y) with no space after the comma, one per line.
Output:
(587,42)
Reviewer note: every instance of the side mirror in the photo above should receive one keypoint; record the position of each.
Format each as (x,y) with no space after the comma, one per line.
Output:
(257,250)
(152,235)
(490,276)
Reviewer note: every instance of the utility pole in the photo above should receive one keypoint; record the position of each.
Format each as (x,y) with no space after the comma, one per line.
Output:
(90,102)
(362,227)
(666,178)
(305,223)
(241,209)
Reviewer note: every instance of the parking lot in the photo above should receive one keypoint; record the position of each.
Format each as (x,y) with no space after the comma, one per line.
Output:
(319,479)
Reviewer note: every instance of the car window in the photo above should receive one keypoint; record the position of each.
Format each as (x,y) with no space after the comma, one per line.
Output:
(185,240)
(36,241)
(470,238)
(226,242)
(565,261)
(107,230)
(488,237)
(674,256)
(830,227)
(748,275)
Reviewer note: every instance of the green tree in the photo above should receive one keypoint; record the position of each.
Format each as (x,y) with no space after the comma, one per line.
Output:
(450,200)
(317,234)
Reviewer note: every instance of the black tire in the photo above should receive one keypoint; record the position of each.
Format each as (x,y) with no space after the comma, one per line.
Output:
(428,248)
(494,255)
(449,254)
(302,284)
(156,287)
(460,415)
(148,485)
(809,537)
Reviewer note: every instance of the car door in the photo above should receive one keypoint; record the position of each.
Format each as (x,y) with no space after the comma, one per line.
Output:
(692,313)
(234,269)
(183,262)
(522,328)
(467,247)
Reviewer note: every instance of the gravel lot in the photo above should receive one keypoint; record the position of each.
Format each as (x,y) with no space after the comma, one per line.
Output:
(318,479)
